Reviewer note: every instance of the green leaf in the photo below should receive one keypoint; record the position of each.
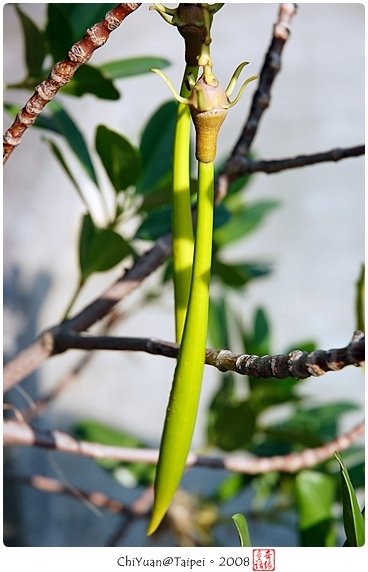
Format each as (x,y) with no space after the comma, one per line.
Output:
(60,122)
(239,274)
(129,474)
(60,158)
(157,146)
(315,494)
(69,130)
(242,528)
(217,325)
(129,67)
(359,300)
(243,222)
(352,516)
(311,426)
(100,249)
(91,430)
(58,31)
(34,45)
(82,16)
(89,79)
(232,425)
(121,160)
(230,487)
(156,224)
(261,336)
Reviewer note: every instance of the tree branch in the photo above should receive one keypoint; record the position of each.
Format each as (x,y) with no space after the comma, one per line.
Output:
(42,348)
(32,357)
(50,485)
(246,166)
(262,97)
(296,364)
(22,434)
(62,72)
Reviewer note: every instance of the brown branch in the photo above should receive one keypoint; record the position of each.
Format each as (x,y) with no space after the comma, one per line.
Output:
(33,356)
(42,348)
(50,485)
(140,507)
(62,72)
(296,364)
(96,498)
(22,434)
(261,99)
(247,166)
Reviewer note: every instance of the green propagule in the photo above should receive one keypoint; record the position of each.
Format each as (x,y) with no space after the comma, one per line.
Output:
(206,102)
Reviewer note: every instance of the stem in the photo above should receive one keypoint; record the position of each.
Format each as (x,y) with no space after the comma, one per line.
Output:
(182,227)
(183,403)
(73,299)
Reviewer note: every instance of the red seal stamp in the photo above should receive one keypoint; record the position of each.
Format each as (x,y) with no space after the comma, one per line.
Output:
(264,559)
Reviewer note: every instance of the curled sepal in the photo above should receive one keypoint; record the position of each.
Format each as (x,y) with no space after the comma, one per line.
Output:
(208,104)
(178,97)
(251,78)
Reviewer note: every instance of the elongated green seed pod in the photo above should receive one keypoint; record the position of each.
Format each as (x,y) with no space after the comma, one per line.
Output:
(182,227)
(184,397)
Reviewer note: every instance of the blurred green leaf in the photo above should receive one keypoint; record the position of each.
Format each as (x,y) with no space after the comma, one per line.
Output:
(156,224)
(315,493)
(129,67)
(34,45)
(311,426)
(42,121)
(239,274)
(353,519)
(261,336)
(59,32)
(232,425)
(89,79)
(100,248)
(82,16)
(121,160)
(129,474)
(60,158)
(243,222)
(242,528)
(156,146)
(230,487)
(66,127)
(91,430)
(359,300)
(218,326)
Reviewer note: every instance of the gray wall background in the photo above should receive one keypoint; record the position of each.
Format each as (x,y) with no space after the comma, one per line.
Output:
(315,239)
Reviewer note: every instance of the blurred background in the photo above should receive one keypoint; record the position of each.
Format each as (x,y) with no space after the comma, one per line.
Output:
(313,241)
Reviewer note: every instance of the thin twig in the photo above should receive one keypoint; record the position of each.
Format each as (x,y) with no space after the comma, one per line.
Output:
(42,348)
(296,364)
(139,508)
(96,498)
(261,99)
(22,434)
(246,166)
(62,72)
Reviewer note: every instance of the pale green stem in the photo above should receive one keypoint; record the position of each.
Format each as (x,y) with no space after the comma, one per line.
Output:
(184,397)
(73,299)
(182,227)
